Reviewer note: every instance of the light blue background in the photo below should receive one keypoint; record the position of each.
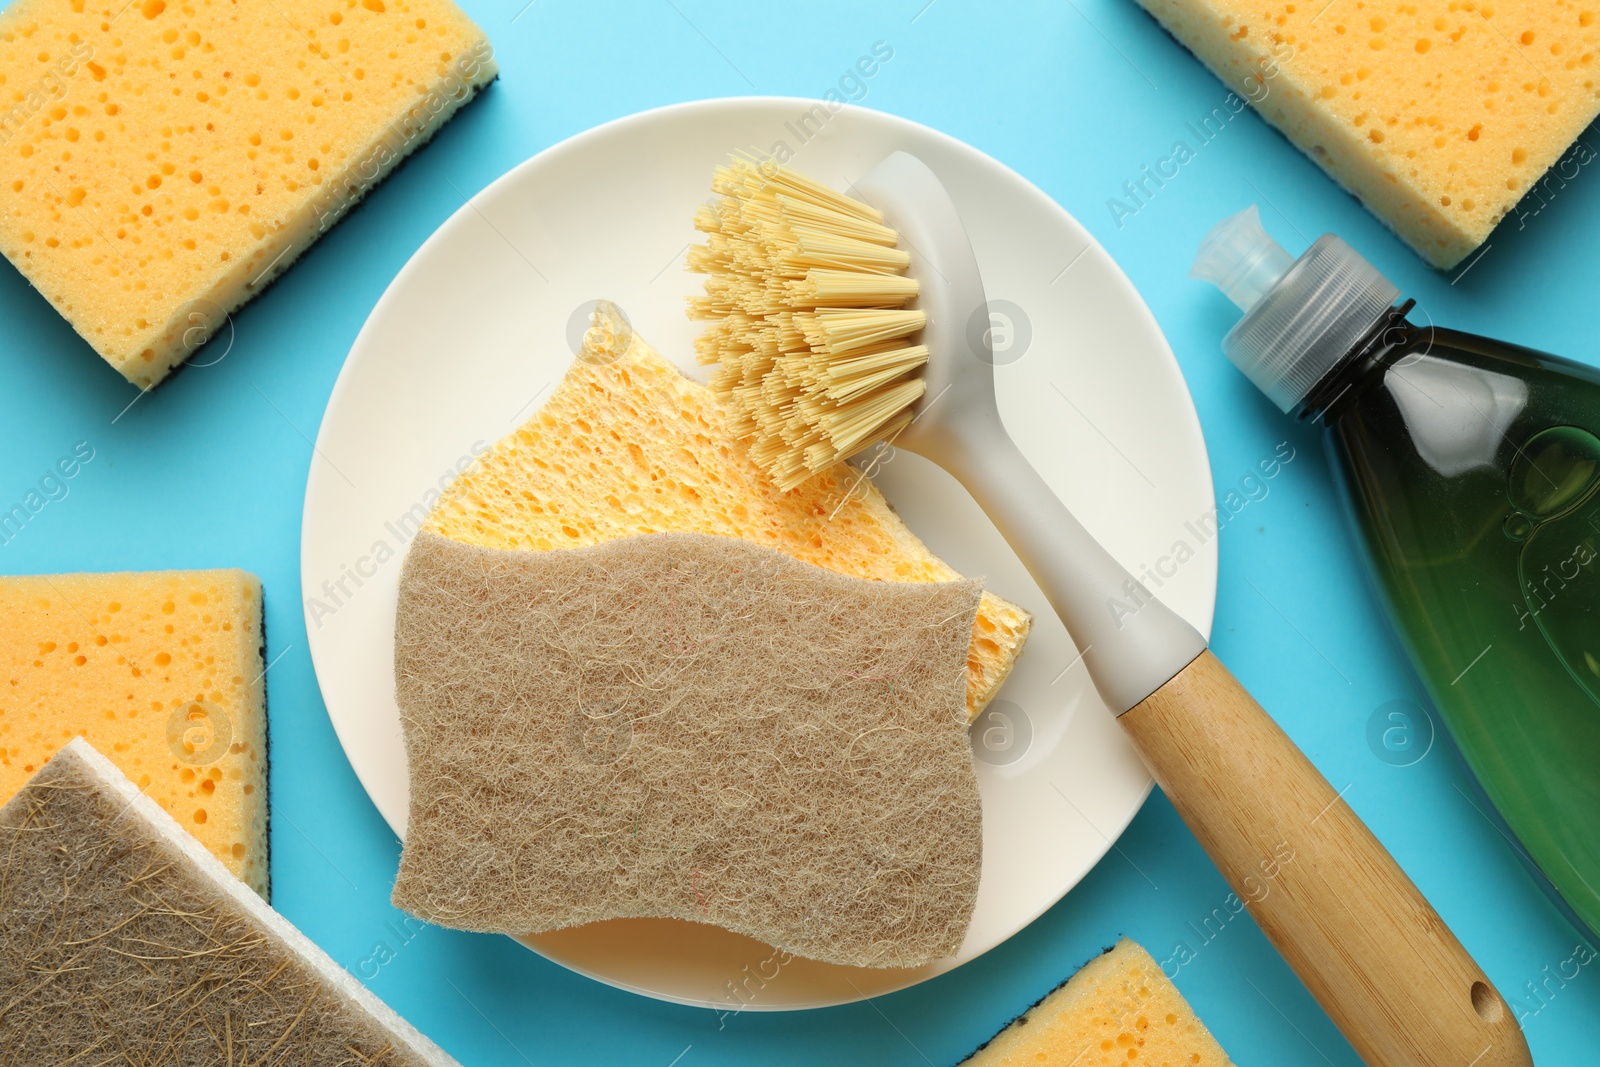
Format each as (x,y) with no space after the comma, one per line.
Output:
(210,470)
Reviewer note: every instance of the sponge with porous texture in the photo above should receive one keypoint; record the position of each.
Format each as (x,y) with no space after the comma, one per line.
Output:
(1120,1009)
(123,941)
(163,671)
(162,161)
(686,726)
(628,445)
(1439,115)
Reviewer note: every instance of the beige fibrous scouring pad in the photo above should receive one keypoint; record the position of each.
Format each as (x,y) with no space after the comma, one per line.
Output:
(163,671)
(1120,1009)
(1442,117)
(681,725)
(122,940)
(628,445)
(162,161)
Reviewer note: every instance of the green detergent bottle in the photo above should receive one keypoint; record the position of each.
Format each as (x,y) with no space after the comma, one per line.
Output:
(1470,470)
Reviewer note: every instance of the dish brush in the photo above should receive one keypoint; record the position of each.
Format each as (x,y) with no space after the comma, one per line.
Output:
(836,322)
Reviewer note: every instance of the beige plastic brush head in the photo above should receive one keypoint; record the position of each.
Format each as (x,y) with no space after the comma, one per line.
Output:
(838,322)
(807,296)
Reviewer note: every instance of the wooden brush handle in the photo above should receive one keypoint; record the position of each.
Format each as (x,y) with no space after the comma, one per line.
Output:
(1329,897)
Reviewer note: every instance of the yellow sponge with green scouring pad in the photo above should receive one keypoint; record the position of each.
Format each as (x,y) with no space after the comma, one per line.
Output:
(161,161)
(1120,1009)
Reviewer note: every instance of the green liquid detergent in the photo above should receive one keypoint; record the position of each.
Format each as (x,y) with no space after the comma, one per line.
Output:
(1471,475)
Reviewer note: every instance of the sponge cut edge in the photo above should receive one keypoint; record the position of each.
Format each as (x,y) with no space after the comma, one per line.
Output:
(156,818)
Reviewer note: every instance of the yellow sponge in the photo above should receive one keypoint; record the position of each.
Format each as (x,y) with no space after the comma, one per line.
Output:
(1440,115)
(162,672)
(1120,1009)
(162,160)
(628,445)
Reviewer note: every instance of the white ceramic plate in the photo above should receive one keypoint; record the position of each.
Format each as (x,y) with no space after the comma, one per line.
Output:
(478,327)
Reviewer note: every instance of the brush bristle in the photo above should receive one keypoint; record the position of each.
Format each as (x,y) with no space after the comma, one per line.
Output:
(805,297)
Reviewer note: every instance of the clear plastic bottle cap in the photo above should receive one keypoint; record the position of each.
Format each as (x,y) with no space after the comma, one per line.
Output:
(1239,258)
(1301,317)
